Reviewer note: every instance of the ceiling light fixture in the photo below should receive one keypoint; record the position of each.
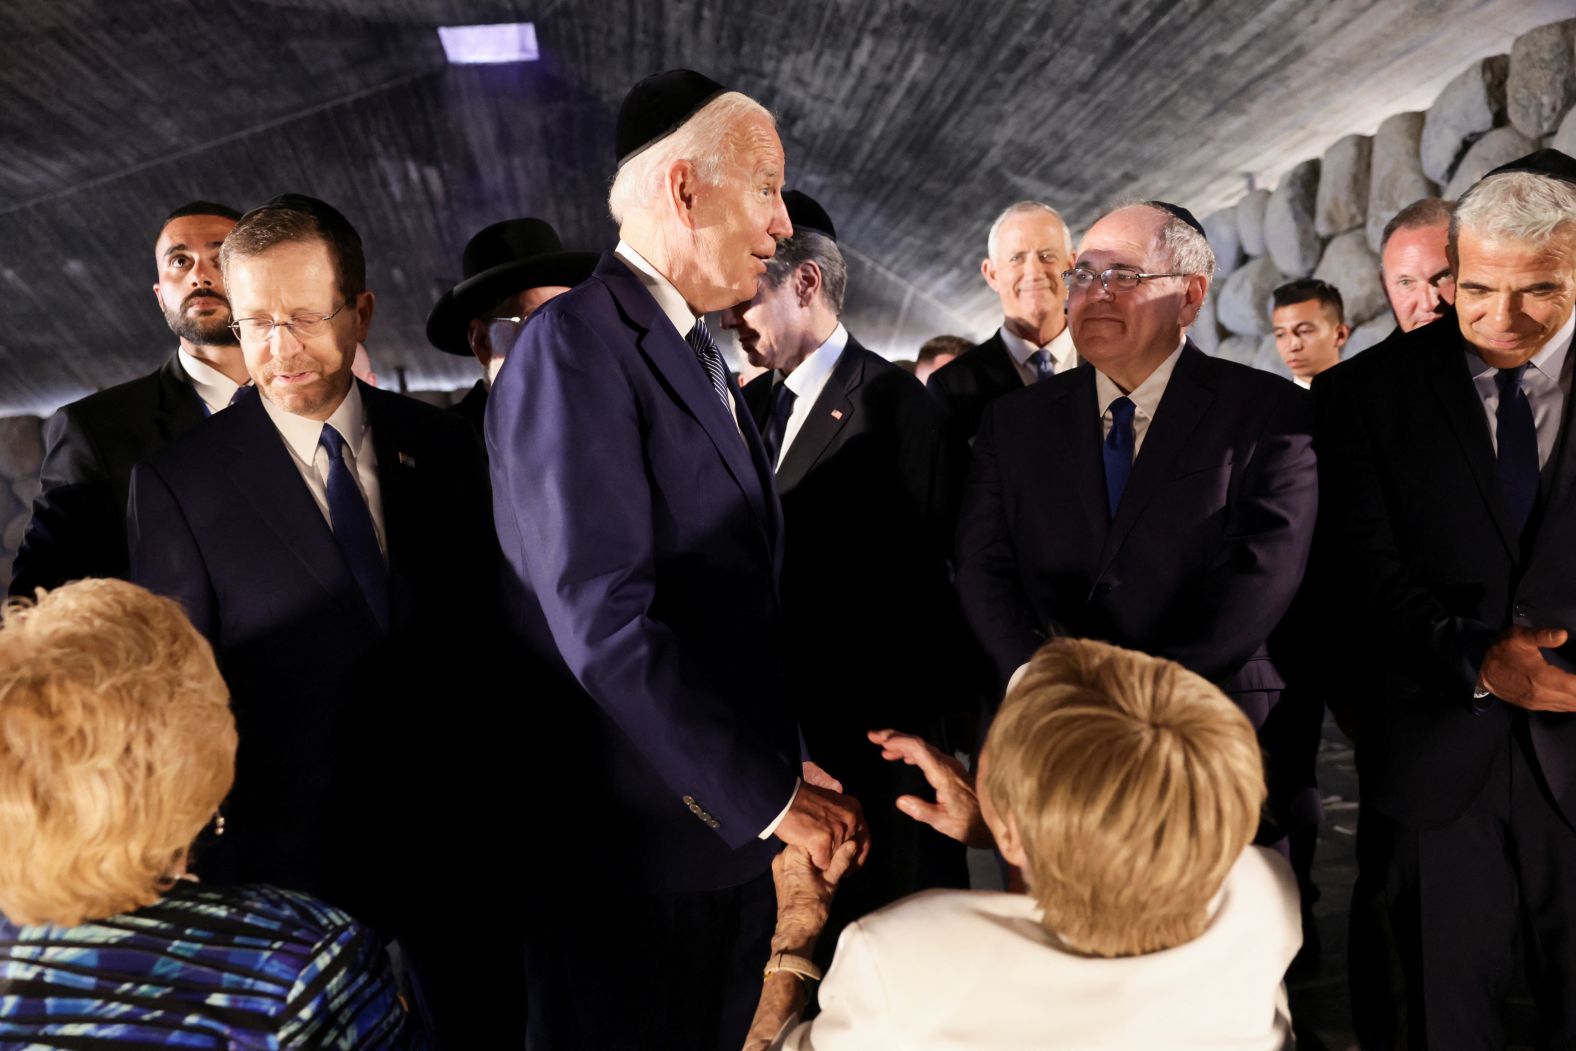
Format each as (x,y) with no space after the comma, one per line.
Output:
(489,45)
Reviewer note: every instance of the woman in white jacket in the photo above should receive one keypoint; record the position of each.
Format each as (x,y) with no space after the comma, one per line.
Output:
(1125,790)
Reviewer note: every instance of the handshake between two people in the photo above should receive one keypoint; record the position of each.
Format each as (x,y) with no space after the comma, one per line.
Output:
(828,827)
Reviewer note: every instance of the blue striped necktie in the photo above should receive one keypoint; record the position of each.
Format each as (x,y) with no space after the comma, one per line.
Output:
(353,529)
(705,348)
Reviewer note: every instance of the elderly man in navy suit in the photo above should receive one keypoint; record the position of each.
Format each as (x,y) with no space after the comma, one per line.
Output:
(308,530)
(1447,465)
(635,507)
(1161,499)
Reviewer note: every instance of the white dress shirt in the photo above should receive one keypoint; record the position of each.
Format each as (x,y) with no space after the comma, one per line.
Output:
(948,970)
(1064,355)
(1145,397)
(212,386)
(677,311)
(301,437)
(807,381)
(1546,383)
(673,306)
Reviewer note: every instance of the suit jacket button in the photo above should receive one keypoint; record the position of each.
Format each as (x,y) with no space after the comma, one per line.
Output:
(1104,588)
(1522,609)
(689,800)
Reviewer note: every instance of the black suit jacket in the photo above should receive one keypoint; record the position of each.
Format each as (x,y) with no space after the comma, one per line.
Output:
(348,764)
(473,408)
(866,601)
(964,386)
(78,527)
(1427,570)
(1207,547)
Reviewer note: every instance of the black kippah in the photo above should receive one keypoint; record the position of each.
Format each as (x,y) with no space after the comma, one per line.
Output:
(1548,162)
(1181,213)
(806,214)
(657,106)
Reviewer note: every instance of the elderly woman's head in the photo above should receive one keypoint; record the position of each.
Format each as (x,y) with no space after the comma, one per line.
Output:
(116,747)
(1125,787)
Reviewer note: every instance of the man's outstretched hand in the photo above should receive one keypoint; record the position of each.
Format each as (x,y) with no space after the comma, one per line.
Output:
(822,819)
(956,811)
(1515,671)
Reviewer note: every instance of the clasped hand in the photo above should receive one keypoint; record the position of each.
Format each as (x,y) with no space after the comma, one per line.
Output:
(1515,670)
(821,819)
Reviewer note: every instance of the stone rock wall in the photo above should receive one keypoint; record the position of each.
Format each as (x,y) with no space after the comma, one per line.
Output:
(1326,216)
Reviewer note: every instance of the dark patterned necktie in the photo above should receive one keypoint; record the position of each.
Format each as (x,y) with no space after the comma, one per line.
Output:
(1517,438)
(1118,452)
(1044,369)
(777,424)
(353,528)
(705,348)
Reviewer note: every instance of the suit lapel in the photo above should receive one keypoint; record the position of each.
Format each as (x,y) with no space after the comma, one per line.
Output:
(996,364)
(263,469)
(180,407)
(1183,405)
(1452,385)
(404,479)
(672,357)
(832,411)
(1075,417)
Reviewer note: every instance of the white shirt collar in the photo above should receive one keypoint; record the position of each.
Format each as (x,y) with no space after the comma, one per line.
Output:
(1060,348)
(302,434)
(668,298)
(212,386)
(1146,396)
(807,380)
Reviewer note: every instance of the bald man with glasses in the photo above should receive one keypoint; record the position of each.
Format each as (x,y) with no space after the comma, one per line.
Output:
(1161,500)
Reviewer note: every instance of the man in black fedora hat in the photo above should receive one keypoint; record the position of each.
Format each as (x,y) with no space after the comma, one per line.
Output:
(511,269)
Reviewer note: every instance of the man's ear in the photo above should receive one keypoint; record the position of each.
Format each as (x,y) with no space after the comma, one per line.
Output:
(807,281)
(479,338)
(364,304)
(988,269)
(683,186)
(1193,297)
(158,298)
(1343,332)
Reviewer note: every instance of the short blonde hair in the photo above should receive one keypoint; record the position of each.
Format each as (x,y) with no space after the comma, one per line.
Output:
(1134,784)
(709,140)
(116,747)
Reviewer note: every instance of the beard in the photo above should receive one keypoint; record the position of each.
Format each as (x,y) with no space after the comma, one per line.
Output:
(212,331)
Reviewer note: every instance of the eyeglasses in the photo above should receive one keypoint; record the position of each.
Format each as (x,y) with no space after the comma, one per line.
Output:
(1112,279)
(302,326)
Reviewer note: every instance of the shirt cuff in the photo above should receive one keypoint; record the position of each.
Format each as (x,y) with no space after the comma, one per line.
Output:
(1017,676)
(766,833)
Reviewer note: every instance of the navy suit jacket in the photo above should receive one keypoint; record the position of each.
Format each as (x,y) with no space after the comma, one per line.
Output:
(964,386)
(1208,544)
(1427,570)
(643,539)
(78,528)
(346,765)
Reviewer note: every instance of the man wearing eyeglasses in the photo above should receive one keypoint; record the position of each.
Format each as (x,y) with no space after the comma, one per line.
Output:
(1162,500)
(309,532)
(78,528)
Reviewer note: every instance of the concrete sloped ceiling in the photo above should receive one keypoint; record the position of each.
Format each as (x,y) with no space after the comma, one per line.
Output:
(913,121)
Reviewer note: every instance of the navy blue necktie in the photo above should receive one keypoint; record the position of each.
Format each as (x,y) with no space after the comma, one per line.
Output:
(1517,438)
(1118,452)
(353,529)
(777,423)
(1044,369)
(705,348)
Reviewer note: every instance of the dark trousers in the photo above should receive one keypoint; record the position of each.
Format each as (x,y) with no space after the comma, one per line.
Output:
(647,972)
(1451,900)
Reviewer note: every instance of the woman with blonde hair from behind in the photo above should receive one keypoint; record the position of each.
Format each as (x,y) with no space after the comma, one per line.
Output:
(1126,791)
(117,747)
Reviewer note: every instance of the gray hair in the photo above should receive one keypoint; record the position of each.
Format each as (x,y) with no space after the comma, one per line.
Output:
(707,140)
(810,246)
(1515,206)
(1028,208)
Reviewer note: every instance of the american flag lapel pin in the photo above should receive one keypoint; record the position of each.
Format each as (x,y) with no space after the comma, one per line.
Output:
(837,414)
(407,460)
